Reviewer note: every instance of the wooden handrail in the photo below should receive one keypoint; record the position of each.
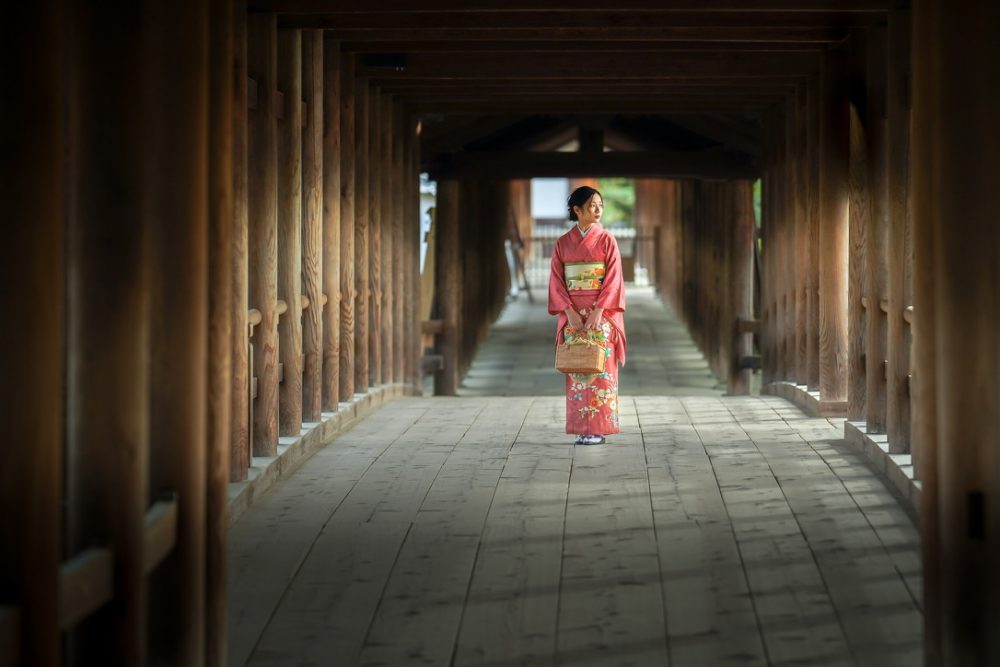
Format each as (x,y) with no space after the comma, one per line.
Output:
(86,583)
(161,532)
(10,630)
(908,314)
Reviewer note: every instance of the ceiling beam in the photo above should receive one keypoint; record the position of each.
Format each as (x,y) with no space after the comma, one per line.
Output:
(586,65)
(709,164)
(661,34)
(544,46)
(634,107)
(544,6)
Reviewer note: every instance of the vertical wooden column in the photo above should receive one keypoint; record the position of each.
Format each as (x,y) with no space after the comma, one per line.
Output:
(32,345)
(740,231)
(769,260)
(108,327)
(262,205)
(220,327)
(899,242)
(314,209)
(388,242)
(834,149)
(800,236)
(348,183)
(178,155)
(332,155)
(400,250)
(374,156)
(361,235)
(239,455)
(859,215)
(875,257)
(926,444)
(415,238)
(446,285)
(957,157)
(813,216)
(290,230)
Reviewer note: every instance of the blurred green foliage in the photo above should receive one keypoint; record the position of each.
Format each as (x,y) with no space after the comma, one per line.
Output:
(619,201)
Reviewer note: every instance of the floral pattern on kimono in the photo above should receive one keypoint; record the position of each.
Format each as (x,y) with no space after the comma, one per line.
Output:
(592,398)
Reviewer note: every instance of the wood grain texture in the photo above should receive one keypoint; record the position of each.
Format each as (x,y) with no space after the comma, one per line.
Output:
(801,237)
(32,353)
(239,457)
(314,225)
(400,259)
(221,230)
(813,215)
(833,229)
(262,207)
(414,235)
(108,330)
(348,184)
(290,231)
(362,205)
(388,240)
(332,149)
(859,214)
(375,237)
(446,285)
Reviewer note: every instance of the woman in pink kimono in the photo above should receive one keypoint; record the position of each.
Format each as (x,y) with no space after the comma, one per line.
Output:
(587,293)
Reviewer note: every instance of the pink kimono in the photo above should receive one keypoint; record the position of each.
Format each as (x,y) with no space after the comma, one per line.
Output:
(586,273)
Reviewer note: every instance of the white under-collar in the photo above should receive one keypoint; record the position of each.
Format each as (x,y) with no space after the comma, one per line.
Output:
(582,232)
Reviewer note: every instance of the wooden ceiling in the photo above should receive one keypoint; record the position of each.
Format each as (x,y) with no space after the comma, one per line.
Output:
(655,76)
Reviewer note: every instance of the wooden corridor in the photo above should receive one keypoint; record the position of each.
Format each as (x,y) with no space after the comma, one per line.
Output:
(470,531)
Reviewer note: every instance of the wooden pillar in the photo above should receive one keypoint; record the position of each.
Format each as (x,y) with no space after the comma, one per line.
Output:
(926,446)
(374,157)
(875,257)
(108,324)
(332,155)
(800,236)
(414,234)
(388,241)
(446,285)
(262,205)
(899,242)
(314,226)
(740,230)
(348,236)
(769,333)
(290,230)
(220,327)
(400,250)
(361,235)
(859,222)
(813,215)
(956,157)
(239,455)
(834,149)
(179,334)
(32,344)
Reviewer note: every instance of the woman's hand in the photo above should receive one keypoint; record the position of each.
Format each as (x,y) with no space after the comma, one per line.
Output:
(594,319)
(574,319)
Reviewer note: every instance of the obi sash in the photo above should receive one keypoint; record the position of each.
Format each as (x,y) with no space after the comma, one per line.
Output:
(583,275)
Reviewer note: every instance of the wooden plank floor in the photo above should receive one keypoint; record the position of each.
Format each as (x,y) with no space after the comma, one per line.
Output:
(471,531)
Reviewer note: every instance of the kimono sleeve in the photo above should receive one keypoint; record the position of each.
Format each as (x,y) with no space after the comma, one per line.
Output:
(558,294)
(612,296)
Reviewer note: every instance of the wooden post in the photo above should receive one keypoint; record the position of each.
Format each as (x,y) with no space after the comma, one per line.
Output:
(446,285)
(876,258)
(813,215)
(899,242)
(331,220)
(108,327)
(400,250)
(388,241)
(179,335)
(290,230)
(926,454)
(374,258)
(262,203)
(415,238)
(833,230)
(348,183)
(740,261)
(239,455)
(220,328)
(859,223)
(800,241)
(32,344)
(314,209)
(361,235)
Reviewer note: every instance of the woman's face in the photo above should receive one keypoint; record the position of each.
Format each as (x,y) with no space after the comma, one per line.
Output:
(591,211)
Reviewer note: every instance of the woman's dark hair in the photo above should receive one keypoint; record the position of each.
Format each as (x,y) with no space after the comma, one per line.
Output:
(579,198)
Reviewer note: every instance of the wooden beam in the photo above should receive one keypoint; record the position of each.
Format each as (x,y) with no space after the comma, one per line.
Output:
(374,258)
(588,65)
(508,46)
(33,283)
(695,164)
(447,263)
(388,238)
(399,246)
(348,183)
(331,148)
(361,234)
(492,6)
(600,107)
(314,226)
(262,39)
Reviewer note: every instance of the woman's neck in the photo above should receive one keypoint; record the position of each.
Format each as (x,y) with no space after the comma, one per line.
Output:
(584,228)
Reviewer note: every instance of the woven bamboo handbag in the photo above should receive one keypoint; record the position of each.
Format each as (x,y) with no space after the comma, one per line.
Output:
(580,355)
